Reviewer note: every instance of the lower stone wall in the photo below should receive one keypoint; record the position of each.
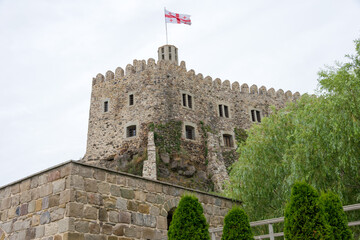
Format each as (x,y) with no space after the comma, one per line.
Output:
(78,201)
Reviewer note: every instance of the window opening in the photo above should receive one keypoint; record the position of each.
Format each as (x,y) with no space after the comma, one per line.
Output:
(169,56)
(131,99)
(220,111)
(255,115)
(190,132)
(170,216)
(163,56)
(226,111)
(131,131)
(258,118)
(162,50)
(106,106)
(228,140)
(184,100)
(189,101)
(169,49)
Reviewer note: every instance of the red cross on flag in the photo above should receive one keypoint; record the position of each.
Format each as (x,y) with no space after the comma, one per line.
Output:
(177,18)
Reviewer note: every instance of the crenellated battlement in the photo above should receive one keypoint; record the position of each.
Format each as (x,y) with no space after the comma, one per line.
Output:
(139,66)
(125,102)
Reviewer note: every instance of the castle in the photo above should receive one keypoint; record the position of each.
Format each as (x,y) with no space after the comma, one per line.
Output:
(207,117)
(156,132)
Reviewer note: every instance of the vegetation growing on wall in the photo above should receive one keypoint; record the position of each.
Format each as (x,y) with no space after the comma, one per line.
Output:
(205,129)
(167,136)
(240,135)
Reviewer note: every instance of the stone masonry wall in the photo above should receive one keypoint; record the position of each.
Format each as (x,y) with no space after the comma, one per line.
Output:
(157,90)
(79,201)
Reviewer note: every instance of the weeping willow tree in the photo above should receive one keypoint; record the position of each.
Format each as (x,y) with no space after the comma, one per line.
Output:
(316,139)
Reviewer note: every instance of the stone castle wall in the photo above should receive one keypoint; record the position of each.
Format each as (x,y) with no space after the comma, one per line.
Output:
(78,201)
(157,90)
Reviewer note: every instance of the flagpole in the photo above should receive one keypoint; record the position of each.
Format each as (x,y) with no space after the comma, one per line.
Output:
(166,28)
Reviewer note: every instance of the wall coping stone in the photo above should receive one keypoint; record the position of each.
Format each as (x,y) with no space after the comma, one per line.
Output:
(120,173)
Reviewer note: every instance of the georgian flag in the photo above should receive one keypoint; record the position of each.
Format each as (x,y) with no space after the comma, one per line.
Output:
(177,18)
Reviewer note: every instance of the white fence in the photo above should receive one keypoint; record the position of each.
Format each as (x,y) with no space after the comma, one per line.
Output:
(271,235)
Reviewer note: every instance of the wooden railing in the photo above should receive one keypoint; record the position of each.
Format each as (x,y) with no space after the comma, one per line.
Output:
(271,235)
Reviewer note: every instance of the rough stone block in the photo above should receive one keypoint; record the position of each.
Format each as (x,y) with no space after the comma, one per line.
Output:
(149,221)
(161,222)
(65,196)
(115,190)
(15,200)
(51,229)
(25,197)
(104,188)
(45,190)
(45,218)
(91,185)
(144,208)
(137,219)
(94,228)
(125,217)
(106,229)
(95,237)
(31,206)
(121,204)
(58,185)
(127,193)
(15,189)
(103,216)
(53,175)
(77,182)
(25,185)
(95,199)
(113,216)
(54,200)
(38,205)
(86,172)
(35,220)
(118,230)
(66,225)
(45,203)
(82,226)
(90,212)
(133,206)
(73,236)
(57,214)
(43,179)
(109,202)
(39,231)
(74,209)
(99,175)
(34,182)
(148,233)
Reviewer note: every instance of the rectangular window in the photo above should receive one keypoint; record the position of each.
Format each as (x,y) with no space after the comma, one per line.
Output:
(184,100)
(190,132)
(189,101)
(131,131)
(131,99)
(162,50)
(169,56)
(169,49)
(226,111)
(228,142)
(220,111)
(258,118)
(106,106)
(163,56)
(255,115)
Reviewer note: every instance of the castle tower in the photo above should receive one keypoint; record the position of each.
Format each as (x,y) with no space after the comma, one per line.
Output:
(168,53)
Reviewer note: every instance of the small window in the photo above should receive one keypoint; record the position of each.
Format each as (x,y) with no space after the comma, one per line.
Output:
(131,131)
(190,132)
(162,50)
(170,56)
(220,110)
(106,106)
(228,140)
(224,111)
(184,100)
(189,101)
(255,115)
(169,49)
(131,99)
(163,56)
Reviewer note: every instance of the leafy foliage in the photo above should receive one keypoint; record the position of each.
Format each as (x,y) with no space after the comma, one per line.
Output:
(304,215)
(316,139)
(237,225)
(335,216)
(167,136)
(189,221)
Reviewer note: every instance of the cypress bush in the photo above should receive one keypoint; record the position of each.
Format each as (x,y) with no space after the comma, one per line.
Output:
(188,221)
(304,215)
(237,225)
(335,216)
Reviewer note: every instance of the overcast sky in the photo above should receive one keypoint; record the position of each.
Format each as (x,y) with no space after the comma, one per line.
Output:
(51,50)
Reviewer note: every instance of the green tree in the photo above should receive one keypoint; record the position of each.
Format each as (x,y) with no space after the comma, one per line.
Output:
(189,221)
(335,216)
(316,139)
(304,215)
(237,225)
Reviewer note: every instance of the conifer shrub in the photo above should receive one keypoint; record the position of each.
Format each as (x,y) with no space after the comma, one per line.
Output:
(188,221)
(237,225)
(304,215)
(335,216)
